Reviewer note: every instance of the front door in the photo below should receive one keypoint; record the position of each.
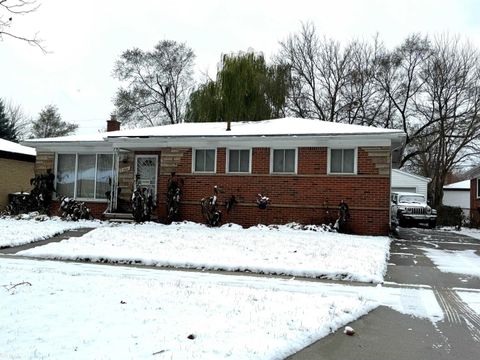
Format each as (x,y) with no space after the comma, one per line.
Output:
(146,172)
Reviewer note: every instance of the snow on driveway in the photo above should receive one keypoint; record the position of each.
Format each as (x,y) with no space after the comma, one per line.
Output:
(272,250)
(459,262)
(473,233)
(18,232)
(471,298)
(61,310)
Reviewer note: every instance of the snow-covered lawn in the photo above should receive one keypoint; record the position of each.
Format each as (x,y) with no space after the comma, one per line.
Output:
(18,232)
(61,310)
(272,250)
(459,262)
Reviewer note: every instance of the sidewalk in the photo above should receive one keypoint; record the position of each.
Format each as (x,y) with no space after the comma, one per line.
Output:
(57,238)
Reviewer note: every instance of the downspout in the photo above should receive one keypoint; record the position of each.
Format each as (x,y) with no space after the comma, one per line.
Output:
(390,189)
(114,184)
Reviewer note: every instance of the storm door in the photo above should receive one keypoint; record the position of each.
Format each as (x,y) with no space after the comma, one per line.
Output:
(146,172)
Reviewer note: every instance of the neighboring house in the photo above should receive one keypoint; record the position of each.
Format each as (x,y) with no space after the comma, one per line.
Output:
(405,182)
(458,194)
(306,167)
(474,176)
(16,169)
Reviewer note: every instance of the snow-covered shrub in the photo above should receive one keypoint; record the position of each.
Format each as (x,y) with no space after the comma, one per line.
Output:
(262,201)
(71,209)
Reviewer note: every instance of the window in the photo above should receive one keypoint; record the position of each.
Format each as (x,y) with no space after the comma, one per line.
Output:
(284,161)
(204,160)
(104,174)
(239,161)
(84,175)
(66,174)
(478,189)
(342,161)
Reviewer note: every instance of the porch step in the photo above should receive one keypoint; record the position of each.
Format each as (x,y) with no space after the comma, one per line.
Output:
(119,217)
(122,217)
(121,221)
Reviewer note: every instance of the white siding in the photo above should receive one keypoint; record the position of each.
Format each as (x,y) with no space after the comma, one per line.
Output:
(458,198)
(401,179)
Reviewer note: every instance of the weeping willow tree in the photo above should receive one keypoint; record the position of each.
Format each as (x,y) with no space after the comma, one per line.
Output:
(245,89)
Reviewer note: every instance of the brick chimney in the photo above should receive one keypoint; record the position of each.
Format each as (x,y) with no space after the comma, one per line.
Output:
(113,124)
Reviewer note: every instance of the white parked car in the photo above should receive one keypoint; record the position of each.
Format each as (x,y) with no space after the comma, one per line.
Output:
(411,209)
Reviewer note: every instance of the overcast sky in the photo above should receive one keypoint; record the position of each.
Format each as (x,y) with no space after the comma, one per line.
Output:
(86,37)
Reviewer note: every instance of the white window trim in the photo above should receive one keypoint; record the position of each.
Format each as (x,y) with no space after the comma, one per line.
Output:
(156,170)
(355,160)
(94,199)
(227,165)
(271,161)
(194,154)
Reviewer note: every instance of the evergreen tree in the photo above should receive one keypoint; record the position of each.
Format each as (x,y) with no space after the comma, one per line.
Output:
(246,89)
(50,124)
(7,128)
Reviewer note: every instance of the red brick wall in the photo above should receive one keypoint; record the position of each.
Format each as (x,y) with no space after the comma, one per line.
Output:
(97,208)
(309,197)
(474,203)
(304,198)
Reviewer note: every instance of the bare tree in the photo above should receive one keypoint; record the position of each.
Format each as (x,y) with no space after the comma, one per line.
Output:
(20,120)
(398,74)
(428,88)
(450,105)
(365,102)
(9,10)
(157,84)
(318,70)
(332,82)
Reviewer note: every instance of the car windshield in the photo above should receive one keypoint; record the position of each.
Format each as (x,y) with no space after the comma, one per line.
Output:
(412,199)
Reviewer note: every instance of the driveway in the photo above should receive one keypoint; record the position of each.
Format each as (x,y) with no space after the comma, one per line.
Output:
(387,334)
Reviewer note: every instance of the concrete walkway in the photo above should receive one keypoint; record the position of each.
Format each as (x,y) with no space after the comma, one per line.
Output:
(57,238)
(387,334)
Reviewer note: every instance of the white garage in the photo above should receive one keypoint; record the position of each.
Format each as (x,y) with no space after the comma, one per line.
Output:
(458,194)
(406,182)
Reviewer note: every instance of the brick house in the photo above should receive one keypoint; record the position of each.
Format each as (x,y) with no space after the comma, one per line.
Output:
(16,169)
(474,176)
(305,166)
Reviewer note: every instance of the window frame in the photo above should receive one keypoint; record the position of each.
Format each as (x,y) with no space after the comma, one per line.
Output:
(355,160)
(227,165)
(478,192)
(94,199)
(194,156)
(272,152)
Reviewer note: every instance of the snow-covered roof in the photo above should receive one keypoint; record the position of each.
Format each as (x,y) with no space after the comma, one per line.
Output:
(275,127)
(461,185)
(11,147)
(418,177)
(71,138)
